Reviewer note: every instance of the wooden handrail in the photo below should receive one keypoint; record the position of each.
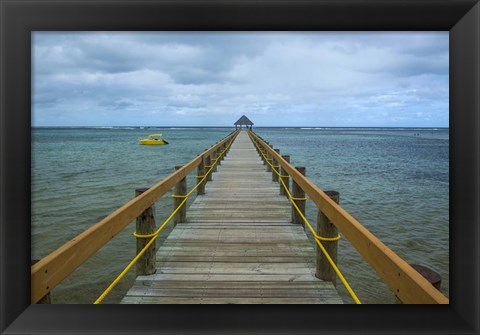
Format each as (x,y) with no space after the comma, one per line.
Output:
(55,267)
(407,284)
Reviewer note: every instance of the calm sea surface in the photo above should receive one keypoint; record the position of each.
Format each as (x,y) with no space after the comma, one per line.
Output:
(394,181)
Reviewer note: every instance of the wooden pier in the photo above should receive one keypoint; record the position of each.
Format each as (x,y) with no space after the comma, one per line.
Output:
(242,239)
(238,245)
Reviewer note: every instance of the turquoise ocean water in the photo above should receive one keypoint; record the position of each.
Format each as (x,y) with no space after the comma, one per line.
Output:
(395,181)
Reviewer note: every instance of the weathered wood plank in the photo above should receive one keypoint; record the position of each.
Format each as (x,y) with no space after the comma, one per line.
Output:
(240,271)
(246,222)
(190,300)
(240,266)
(234,284)
(216,252)
(232,292)
(259,247)
(284,277)
(234,259)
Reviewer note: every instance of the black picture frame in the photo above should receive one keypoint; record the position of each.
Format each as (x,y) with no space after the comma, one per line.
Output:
(19,18)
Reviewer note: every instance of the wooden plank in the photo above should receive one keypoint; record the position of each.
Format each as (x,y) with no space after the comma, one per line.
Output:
(279,207)
(269,226)
(235,271)
(265,222)
(282,277)
(266,247)
(190,300)
(217,253)
(234,284)
(240,266)
(289,292)
(224,259)
(223,233)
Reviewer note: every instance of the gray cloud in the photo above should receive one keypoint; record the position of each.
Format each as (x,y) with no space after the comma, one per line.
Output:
(325,79)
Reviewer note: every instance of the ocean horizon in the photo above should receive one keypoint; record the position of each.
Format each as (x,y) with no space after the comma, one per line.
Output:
(221,127)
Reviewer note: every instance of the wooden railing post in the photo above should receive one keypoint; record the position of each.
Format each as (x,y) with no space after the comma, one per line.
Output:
(220,152)
(275,168)
(265,152)
(180,189)
(258,148)
(217,155)
(270,160)
(208,165)
(46,299)
(325,228)
(286,180)
(214,157)
(200,174)
(299,194)
(225,148)
(145,224)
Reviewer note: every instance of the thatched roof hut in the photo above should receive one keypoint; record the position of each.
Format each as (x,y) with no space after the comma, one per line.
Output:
(243,121)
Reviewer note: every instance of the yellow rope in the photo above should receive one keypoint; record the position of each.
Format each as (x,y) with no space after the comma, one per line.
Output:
(318,239)
(144,236)
(157,232)
(272,166)
(129,266)
(324,251)
(327,239)
(298,199)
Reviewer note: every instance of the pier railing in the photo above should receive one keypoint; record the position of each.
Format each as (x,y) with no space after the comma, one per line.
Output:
(403,280)
(55,267)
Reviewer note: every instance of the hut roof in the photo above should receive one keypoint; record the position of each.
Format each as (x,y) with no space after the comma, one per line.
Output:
(243,121)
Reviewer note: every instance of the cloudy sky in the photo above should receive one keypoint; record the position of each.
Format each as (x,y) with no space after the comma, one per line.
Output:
(325,79)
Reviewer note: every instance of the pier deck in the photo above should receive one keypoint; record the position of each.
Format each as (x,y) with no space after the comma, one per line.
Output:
(237,246)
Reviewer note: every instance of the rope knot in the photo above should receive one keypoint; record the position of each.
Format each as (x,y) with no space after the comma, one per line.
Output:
(180,196)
